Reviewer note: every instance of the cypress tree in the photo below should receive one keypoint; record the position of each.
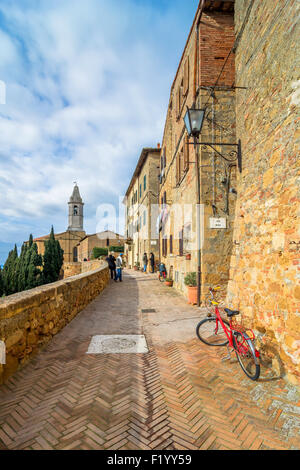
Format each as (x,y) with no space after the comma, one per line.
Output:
(34,276)
(10,276)
(53,259)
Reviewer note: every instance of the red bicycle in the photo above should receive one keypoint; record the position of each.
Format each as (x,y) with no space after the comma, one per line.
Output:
(214,331)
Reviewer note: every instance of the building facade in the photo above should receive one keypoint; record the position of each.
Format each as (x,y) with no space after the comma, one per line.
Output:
(76,244)
(197,197)
(265,265)
(141,209)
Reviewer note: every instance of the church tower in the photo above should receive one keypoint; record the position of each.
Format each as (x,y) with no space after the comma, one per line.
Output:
(75,211)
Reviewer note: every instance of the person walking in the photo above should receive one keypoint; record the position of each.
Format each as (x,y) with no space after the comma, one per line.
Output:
(119,266)
(152,262)
(145,261)
(111,260)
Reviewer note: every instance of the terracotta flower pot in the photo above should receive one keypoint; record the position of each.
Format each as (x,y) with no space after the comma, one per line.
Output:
(192,295)
(169,283)
(136,268)
(188,257)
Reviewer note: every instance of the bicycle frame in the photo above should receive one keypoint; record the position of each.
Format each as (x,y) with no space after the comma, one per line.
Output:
(227,331)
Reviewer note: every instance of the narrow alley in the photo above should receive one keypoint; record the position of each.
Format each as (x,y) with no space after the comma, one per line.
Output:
(179,395)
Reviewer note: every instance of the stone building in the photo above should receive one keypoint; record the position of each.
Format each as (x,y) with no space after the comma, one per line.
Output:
(70,238)
(240,64)
(195,202)
(104,239)
(76,244)
(141,208)
(265,266)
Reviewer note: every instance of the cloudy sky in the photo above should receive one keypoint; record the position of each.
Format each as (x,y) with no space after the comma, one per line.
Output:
(87,86)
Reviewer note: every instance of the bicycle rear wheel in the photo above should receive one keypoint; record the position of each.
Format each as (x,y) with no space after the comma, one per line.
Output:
(245,353)
(210,332)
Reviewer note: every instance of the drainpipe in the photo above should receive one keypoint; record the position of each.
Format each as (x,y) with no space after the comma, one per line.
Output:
(198,219)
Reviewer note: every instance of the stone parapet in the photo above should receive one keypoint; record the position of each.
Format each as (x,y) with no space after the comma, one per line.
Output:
(29,320)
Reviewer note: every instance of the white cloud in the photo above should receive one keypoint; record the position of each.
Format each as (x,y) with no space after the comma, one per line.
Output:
(87,87)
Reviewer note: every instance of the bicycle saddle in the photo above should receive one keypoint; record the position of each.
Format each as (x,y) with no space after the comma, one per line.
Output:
(231,313)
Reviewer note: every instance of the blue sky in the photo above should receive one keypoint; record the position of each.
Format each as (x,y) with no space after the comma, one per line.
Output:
(87,86)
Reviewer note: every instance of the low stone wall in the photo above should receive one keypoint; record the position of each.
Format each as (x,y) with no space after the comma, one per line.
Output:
(73,269)
(30,319)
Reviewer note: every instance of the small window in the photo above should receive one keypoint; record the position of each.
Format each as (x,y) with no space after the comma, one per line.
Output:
(140,190)
(145,218)
(107,242)
(145,182)
(171,244)
(75,212)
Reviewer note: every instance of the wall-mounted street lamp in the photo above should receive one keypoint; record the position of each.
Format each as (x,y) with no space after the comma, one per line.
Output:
(193,121)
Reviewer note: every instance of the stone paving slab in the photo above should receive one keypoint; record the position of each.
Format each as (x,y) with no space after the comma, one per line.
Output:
(178,396)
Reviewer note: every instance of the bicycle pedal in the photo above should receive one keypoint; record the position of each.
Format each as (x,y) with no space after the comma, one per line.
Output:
(227,358)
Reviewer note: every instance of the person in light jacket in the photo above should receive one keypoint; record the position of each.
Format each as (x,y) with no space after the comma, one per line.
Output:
(119,266)
(145,261)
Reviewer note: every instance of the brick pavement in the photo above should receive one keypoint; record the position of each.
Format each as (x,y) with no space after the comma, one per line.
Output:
(178,396)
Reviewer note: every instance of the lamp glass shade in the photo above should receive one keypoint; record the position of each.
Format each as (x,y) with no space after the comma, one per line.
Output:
(194,121)
(187,122)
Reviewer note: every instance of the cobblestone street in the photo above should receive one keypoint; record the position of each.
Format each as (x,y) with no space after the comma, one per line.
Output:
(178,396)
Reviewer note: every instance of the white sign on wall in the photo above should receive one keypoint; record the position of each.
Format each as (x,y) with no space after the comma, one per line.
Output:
(217,223)
(153,242)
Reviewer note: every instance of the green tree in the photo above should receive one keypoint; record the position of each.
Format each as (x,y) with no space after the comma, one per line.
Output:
(34,273)
(52,260)
(10,272)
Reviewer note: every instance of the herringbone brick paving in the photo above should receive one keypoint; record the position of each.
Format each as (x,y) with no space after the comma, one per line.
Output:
(178,396)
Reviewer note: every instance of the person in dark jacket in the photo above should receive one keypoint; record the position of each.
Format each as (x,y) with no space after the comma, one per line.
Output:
(111,260)
(152,262)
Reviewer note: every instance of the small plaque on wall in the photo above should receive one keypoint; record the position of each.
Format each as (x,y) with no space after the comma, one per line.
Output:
(217,223)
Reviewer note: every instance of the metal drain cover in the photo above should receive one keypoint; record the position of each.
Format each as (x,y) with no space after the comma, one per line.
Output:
(118,344)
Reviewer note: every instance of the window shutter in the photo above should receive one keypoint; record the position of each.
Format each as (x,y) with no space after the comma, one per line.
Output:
(178,103)
(181,243)
(165,158)
(177,168)
(186,77)
(186,153)
(171,244)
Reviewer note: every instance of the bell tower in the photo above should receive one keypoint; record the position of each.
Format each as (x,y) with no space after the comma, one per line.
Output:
(75,211)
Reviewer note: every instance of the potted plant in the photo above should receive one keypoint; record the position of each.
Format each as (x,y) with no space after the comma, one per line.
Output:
(188,256)
(190,281)
(136,266)
(169,282)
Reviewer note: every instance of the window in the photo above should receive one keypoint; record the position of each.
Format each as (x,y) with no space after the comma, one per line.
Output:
(75,212)
(75,254)
(164,247)
(171,244)
(181,243)
(144,217)
(140,190)
(145,182)
(107,242)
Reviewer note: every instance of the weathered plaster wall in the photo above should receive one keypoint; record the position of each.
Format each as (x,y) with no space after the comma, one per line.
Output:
(30,319)
(265,268)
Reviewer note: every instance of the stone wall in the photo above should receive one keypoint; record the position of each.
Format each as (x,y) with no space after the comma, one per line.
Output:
(30,319)
(265,276)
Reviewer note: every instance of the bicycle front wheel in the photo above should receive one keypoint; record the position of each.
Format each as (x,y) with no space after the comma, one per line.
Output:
(246,355)
(210,332)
